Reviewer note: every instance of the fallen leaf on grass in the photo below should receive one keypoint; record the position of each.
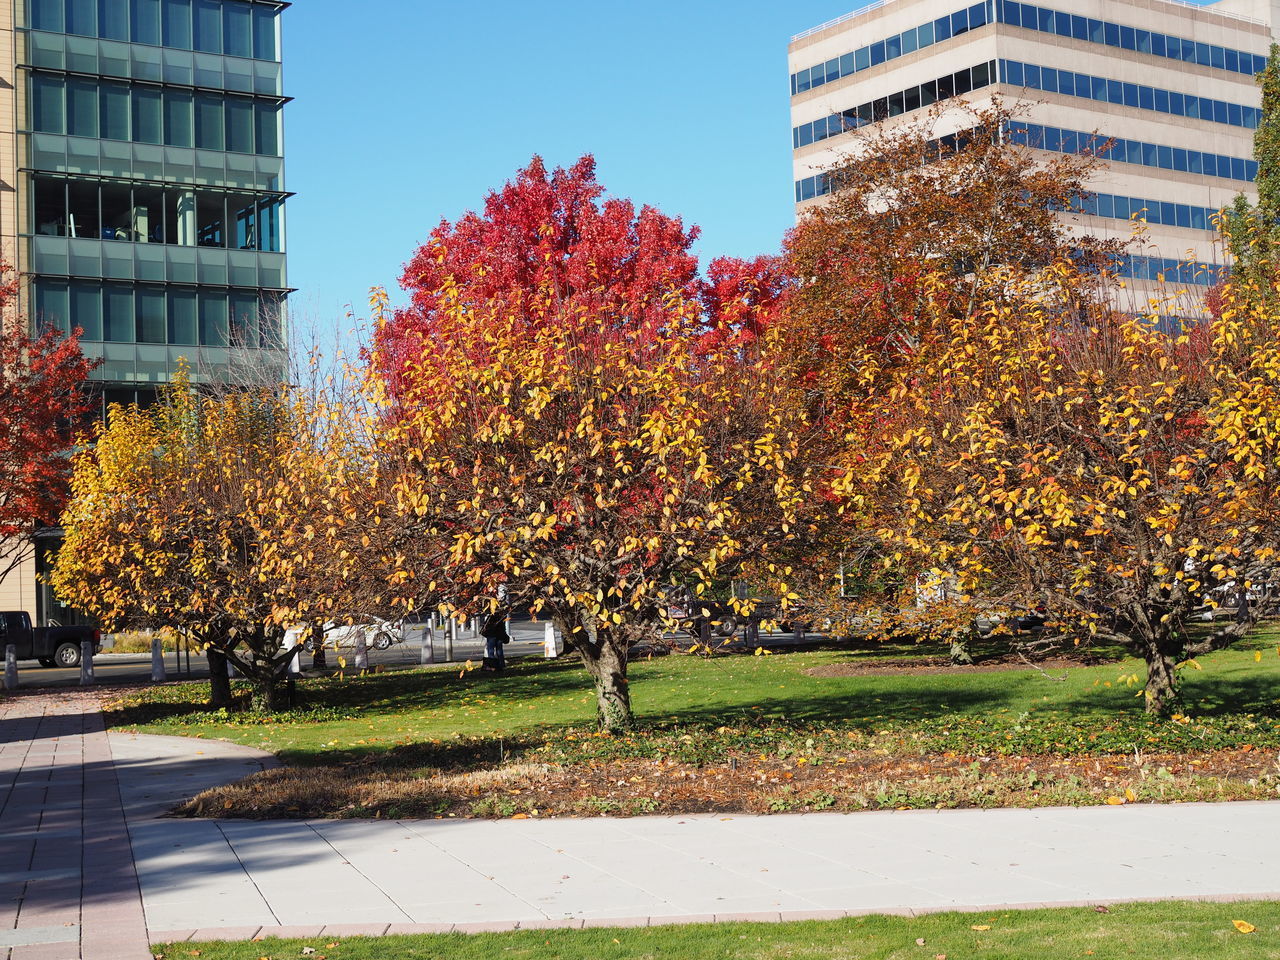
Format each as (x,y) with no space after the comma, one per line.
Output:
(1130,795)
(306,951)
(981,926)
(1101,909)
(1115,801)
(939,956)
(1243,926)
(919,941)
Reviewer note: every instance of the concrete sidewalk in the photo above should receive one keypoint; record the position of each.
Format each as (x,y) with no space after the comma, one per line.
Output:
(73,885)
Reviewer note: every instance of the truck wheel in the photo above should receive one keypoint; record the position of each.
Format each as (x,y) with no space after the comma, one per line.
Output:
(67,655)
(47,662)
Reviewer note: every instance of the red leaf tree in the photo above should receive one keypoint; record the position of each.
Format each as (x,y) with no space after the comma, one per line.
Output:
(40,401)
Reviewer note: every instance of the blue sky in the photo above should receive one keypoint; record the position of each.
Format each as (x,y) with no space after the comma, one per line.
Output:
(413,109)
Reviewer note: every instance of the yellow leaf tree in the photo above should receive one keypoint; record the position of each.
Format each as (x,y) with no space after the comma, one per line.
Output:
(219,515)
(1085,461)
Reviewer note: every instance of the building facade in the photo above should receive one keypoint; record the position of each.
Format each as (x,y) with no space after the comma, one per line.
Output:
(142,195)
(1170,84)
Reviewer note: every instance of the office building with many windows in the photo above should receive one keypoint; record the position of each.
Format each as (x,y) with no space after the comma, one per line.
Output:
(1169,84)
(142,193)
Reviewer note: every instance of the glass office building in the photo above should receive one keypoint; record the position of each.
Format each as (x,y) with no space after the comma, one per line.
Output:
(1169,84)
(143,153)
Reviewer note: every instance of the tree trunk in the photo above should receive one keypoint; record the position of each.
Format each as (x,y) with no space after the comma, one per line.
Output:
(960,655)
(268,693)
(604,654)
(219,682)
(1162,679)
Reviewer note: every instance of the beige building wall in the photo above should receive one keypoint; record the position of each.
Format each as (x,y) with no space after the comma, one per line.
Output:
(1238,24)
(18,589)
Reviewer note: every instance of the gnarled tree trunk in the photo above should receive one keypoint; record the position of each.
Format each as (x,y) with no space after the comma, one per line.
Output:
(604,654)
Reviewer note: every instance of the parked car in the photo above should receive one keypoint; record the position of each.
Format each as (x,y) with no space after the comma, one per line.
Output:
(51,646)
(378,635)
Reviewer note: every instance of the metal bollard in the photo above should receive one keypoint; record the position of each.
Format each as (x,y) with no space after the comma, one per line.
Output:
(295,663)
(10,667)
(450,635)
(86,663)
(157,661)
(427,653)
(362,651)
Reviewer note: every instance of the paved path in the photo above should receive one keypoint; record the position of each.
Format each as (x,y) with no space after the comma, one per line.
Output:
(73,884)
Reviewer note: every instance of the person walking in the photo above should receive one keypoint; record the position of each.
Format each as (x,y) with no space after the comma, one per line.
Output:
(495,638)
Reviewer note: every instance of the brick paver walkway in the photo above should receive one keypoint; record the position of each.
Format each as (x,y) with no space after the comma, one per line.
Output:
(68,889)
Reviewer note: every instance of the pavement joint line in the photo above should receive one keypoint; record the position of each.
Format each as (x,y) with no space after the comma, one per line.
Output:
(249,876)
(368,879)
(31,936)
(408,825)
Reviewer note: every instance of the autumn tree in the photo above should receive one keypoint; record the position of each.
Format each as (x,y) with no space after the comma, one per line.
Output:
(219,515)
(567,418)
(1116,475)
(40,404)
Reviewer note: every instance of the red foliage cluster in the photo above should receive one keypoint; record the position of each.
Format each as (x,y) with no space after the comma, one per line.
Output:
(554,234)
(39,400)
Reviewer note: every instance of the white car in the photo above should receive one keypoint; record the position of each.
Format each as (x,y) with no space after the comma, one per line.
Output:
(378,635)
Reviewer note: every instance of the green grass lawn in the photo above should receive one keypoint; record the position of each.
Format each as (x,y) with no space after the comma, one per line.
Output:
(1149,931)
(344,718)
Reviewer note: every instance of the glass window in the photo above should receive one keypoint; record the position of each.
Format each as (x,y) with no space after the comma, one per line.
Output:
(82,17)
(48,106)
(152,326)
(177,119)
(86,309)
(1044,20)
(210,217)
(1149,158)
(182,317)
(240,122)
(1048,79)
(1162,100)
(1188,48)
(804,134)
(207,28)
(1234,115)
(47,15)
(82,108)
(270,310)
(846,65)
(145,21)
(977,15)
(1012,13)
(148,123)
(244,319)
(831,70)
(177,24)
(1179,160)
(928,93)
(115,107)
(1098,88)
(49,209)
(862,57)
(1062,24)
(1128,38)
(802,81)
(1032,74)
(925,34)
(1015,75)
(1199,220)
(908,43)
(113,20)
(911,99)
(237,30)
(893,48)
(1218,57)
(959,23)
(1203,56)
(118,321)
(52,307)
(264,33)
(1130,94)
(895,104)
(1158,44)
(117,212)
(213,319)
(942,29)
(1146,98)
(1239,170)
(1219,110)
(1079,27)
(1115,91)
(147,214)
(963,81)
(82,210)
(1164,157)
(1143,40)
(1111,34)
(1095,31)
(981,75)
(877,53)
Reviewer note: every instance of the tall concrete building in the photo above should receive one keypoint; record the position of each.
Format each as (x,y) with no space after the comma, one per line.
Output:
(142,194)
(1171,83)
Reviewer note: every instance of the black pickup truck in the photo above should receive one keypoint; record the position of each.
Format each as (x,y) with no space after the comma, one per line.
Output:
(52,646)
